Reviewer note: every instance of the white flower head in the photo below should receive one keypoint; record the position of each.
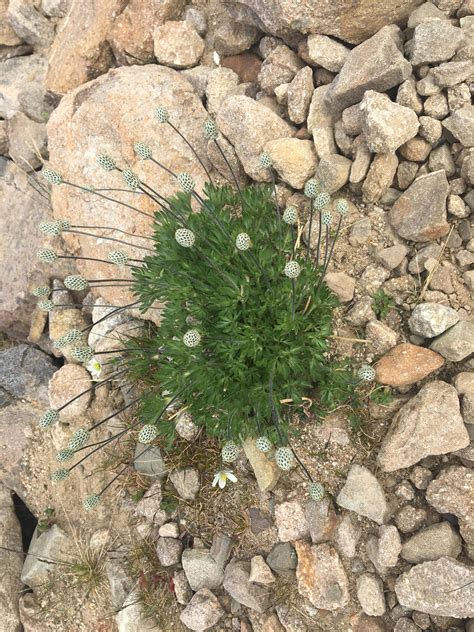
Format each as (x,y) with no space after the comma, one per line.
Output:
(94,367)
(222,477)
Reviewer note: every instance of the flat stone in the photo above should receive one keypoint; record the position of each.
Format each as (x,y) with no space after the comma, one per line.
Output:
(363,494)
(66,384)
(294,160)
(419,214)
(461,125)
(321,519)
(432,319)
(360,164)
(237,583)
(382,337)
(327,52)
(457,343)
(169,530)
(434,41)
(260,572)
(290,521)
(249,125)
(429,423)
(321,576)
(370,594)
(300,93)
(444,587)
(202,612)
(282,558)
(451,492)
(149,462)
(383,551)
(266,471)
(202,570)
(386,125)
(24,374)
(379,177)
(438,540)
(177,44)
(406,364)
(391,257)
(341,284)
(169,551)
(376,64)
(52,544)
(186,482)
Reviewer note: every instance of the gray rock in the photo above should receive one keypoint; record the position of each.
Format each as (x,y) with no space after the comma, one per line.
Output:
(373,277)
(452,73)
(430,129)
(379,177)
(182,589)
(149,462)
(205,568)
(282,558)
(341,284)
(363,494)
(11,560)
(55,8)
(376,64)
(149,507)
(457,343)
(50,546)
(409,518)
(132,617)
(185,426)
(248,125)
(333,172)
(280,66)
(169,530)
(169,551)
(202,612)
(441,159)
(386,125)
(382,337)
(444,587)
(177,44)
(24,374)
(419,214)
(293,159)
(186,482)
(391,257)
(360,164)
(429,423)
(100,330)
(436,541)
(461,125)
(420,477)
(27,141)
(458,97)
(434,41)
(240,588)
(232,38)
(362,312)
(260,572)
(300,93)
(432,319)
(383,551)
(327,52)
(436,106)
(221,83)
(360,231)
(425,13)
(30,24)
(451,492)
(290,521)
(321,519)
(347,536)
(408,96)
(370,594)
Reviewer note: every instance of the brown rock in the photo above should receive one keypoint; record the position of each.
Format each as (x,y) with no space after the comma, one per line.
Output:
(294,160)
(416,149)
(177,44)
(300,92)
(115,102)
(406,364)
(231,38)
(246,65)
(380,176)
(80,51)
(321,576)
(68,382)
(280,66)
(342,18)
(131,35)
(8,37)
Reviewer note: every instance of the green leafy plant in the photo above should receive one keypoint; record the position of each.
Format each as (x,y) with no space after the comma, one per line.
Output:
(382,303)
(381,396)
(47,520)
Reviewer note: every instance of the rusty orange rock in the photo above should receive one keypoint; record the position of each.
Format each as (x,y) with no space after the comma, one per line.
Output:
(406,364)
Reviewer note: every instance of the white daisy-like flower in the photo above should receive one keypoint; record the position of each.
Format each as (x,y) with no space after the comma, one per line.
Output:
(222,477)
(95,368)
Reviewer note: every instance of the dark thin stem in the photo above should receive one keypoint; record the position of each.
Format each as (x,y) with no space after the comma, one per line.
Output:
(323,274)
(92,388)
(111,313)
(221,151)
(274,413)
(118,230)
(163,167)
(272,174)
(311,213)
(193,150)
(104,489)
(119,241)
(293,240)
(293,298)
(85,259)
(114,414)
(326,244)
(106,197)
(126,349)
(303,467)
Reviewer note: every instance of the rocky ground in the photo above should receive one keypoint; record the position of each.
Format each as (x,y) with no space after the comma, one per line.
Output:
(371,98)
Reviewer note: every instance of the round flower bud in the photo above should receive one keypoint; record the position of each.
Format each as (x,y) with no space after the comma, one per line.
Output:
(47,255)
(68,338)
(51,176)
(64,455)
(46,306)
(142,151)
(48,418)
(290,215)
(131,179)
(321,200)
(242,241)
(326,217)
(43,290)
(60,475)
(265,160)
(64,224)
(263,444)
(311,188)
(292,269)
(186,182)
(78,439)
(185,237)
(230,452)
(366,373)
(91,502)
(82,354)
(316,491)
(50,228)
(106,162)
(342,206)
(211,130)
(192,338)
(119,257)
(162,114)
(76,282)
(147,434)
(284,458)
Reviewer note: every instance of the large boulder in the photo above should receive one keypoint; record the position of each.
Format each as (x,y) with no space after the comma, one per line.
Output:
(347,20)
(109,115)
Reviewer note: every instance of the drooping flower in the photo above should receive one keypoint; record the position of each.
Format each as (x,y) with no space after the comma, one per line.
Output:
(290,215)
(211,131)
(186,182)
(222,477)
(95,368)
(76,282)
(263,444)
(311,188)
(142,150)
(284,458)
(91,502)
(47,255)
(162,114)
(265,160)
(147,434)
(316,491)
(106,162)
